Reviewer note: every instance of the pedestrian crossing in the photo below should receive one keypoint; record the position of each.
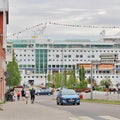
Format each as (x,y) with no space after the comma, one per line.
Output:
(90,118)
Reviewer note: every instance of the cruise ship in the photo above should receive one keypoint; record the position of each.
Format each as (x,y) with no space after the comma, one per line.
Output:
(37,58)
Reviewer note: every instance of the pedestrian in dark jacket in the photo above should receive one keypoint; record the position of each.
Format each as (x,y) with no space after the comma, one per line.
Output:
(23,94)
(32,94)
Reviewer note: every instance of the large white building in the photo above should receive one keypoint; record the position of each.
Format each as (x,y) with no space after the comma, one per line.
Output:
(37,58)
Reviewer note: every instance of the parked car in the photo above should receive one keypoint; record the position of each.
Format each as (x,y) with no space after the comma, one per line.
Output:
(67,96)
(58,89)
(37,91)
(43,92)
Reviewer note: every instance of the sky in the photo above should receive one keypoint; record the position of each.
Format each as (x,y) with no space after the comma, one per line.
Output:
(57,19)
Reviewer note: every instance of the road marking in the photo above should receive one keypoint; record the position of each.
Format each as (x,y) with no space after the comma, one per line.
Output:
(81,118)
(109,118)
(71,118)
(89,118)
(85,118)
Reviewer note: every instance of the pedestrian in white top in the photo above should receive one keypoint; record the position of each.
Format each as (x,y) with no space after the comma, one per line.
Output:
(27,95)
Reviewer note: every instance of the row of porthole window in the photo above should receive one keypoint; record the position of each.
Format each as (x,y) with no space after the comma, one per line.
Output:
(104,76)
(25,60)
(93,77)
(24,55)
(69,60)
(34,76)
(83,51)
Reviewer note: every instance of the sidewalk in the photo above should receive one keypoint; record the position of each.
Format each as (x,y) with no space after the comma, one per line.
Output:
(19,110)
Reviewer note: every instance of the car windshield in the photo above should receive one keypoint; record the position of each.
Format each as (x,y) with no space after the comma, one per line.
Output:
(68,92)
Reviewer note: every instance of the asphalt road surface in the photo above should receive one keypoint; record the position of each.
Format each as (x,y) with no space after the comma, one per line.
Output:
(84,111)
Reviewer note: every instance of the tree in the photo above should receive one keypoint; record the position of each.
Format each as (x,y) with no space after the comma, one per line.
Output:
(72,81)
(82,74)
(106,82)
(83,82)
(64,77)
(14,77)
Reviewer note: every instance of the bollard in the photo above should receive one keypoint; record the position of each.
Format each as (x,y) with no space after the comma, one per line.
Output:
(81,96)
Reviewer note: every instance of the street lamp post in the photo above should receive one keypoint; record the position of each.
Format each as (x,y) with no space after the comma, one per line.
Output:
(91,81)
(62,70)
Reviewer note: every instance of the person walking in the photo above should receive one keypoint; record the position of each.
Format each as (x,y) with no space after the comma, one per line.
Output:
(18,95)
(27,95)
(23,94)
(32,94)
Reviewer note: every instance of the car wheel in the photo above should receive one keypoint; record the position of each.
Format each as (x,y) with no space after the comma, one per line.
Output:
(78,103)
(57,103)
(61,103)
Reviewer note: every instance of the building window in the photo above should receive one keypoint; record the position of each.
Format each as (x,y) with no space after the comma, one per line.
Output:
(57,56)
(53,66)
(69,56)
(81,56)
(77,56)
(65,56)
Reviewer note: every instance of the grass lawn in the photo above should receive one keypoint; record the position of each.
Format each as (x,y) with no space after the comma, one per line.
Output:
(116,102)
(1,109)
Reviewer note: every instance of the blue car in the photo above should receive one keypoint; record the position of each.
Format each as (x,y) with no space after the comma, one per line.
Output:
(43,92)
(67,96)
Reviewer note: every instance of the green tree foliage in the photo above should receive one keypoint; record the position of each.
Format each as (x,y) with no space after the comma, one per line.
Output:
(57,79)
(64,77)
(73,73)
(72,81)
(14,77)
(83,82)
(106,81)
(82,74)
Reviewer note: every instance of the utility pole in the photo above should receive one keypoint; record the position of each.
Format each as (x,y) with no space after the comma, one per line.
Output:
(62,70)
(91,77)
(91,81)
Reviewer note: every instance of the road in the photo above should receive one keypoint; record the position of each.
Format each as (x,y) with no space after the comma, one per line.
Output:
(84,111)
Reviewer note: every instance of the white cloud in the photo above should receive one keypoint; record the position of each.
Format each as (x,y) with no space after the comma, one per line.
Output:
(27,13)
(102,12)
